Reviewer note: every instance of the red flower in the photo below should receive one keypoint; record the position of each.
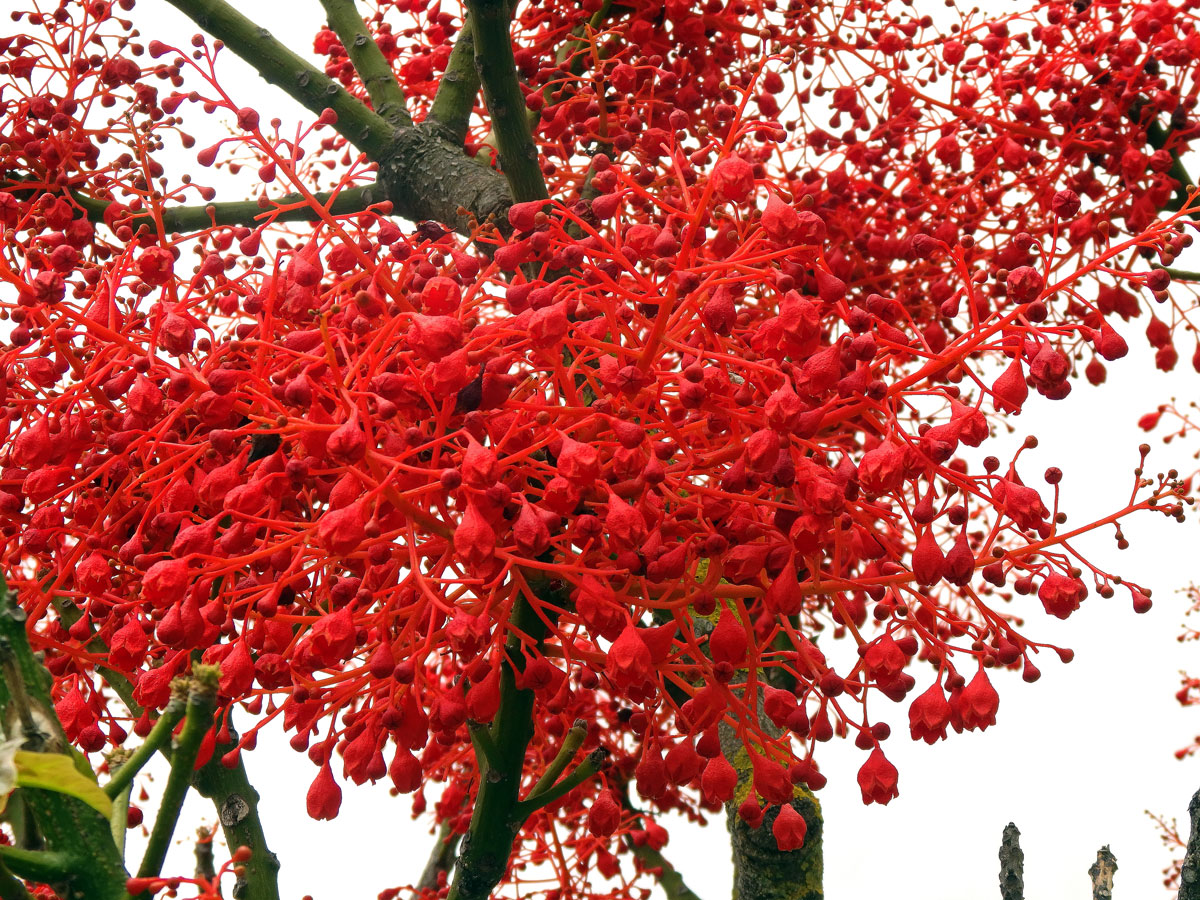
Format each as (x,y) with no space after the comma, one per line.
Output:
(789,828)
(324,795)
(877,779)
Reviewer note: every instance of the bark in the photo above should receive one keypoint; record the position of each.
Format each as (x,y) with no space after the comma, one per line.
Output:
(1189,876)
(1101,873)
(1012,865)
(761,871)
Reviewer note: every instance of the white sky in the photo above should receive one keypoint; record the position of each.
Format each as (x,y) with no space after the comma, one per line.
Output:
(1073,761)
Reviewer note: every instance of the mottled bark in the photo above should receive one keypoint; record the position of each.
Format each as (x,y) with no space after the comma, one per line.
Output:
(1012,865)
(1189,876)
(1101,873)
(761,871)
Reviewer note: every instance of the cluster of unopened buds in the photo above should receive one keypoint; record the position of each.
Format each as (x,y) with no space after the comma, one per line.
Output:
(647,450)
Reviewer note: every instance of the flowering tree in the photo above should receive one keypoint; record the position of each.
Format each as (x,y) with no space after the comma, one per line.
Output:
(582,416)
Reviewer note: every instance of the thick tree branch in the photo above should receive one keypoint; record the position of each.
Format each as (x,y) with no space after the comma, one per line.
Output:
(499,814)
(1101,873)
(497,70)
(369,62)
(455,99)
(761,871)
(279,66)
(1189,875)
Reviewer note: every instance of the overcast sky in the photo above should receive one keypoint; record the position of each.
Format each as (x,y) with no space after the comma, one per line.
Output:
(1074,759)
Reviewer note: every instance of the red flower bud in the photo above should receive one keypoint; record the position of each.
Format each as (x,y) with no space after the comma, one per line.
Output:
(877,779)
(324,795)
(789,828)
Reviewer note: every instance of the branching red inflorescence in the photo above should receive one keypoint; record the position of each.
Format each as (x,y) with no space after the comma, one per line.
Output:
(714,405)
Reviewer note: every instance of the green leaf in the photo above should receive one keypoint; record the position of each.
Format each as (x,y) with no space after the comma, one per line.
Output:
(56,772)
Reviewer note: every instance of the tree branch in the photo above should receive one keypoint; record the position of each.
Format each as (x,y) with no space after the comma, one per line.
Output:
(572,741)
(1189,875)
(80,858)
(236,801)
(202,696)
(244,212)
(1101,873)
(369,62)
(496,819)
(1012,865)
(279,66)
(666,874)
(441,858)
(761,871)
(159,735)
(455,99)
(595,762)
(497,70)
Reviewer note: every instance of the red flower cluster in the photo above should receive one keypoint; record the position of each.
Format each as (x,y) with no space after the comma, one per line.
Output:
(711,409)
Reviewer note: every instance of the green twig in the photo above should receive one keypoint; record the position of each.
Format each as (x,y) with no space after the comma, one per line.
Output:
(202,696)
(455,99)
(497,70)
(369,62)
(572,741)
(159,735)
(595,762)
(279,66)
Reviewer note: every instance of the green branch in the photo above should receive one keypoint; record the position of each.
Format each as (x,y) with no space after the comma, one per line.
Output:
(595,762)
(369,62)
(202,697)
(80,858)
(573,740)
(455,99)
(279,66)
(497,70)
(441,858)
(243,212)
(666,874)
(496,820)
(159,736)
(236,801)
